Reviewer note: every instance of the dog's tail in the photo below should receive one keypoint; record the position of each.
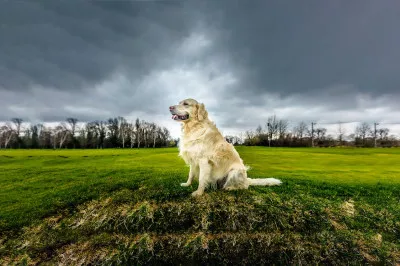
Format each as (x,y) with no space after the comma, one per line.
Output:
(264,182)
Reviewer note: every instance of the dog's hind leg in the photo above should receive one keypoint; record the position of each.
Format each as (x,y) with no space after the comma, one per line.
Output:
(237,179)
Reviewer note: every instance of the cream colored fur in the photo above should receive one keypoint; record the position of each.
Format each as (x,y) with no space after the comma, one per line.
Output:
(211,158)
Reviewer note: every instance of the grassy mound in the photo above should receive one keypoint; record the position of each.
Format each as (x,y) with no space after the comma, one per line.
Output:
(121,208)
(255,226)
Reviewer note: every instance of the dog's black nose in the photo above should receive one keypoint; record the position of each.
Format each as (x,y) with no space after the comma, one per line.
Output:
(171,107)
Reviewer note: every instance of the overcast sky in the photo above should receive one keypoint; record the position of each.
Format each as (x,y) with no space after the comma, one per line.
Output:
(323,61)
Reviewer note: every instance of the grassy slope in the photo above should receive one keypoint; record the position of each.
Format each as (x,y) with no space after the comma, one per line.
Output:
(142,212)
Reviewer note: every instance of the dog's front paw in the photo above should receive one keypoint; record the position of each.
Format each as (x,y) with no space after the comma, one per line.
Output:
(197,193)
(185,184)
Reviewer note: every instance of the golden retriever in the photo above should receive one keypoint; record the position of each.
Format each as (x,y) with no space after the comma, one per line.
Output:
(212,160)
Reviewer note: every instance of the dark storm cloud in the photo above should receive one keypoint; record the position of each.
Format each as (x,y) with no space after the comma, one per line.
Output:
(308,46)
(71,45)
(245,59)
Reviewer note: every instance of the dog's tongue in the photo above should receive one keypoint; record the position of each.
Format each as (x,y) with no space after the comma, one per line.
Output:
(174,117)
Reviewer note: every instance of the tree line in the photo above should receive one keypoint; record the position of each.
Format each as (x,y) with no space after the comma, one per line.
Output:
(119,133)
(277,133)
(112,133)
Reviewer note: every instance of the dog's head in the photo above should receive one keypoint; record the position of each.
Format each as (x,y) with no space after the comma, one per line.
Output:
(188,110)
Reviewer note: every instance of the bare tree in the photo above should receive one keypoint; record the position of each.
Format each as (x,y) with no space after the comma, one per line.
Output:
(35,130)
(72,122)
(72,125)
(101,130)
(8,134)
(259,130)
(138,127)
(340,132)
(145,130)
(17,131)
(131,132)
(54,137)
(82,136)
(241,138)
(250,136)
(92,135)
(363,131)
(272,127)
(61,134)
(153,132)
(17,122)
(44,136)
(320,133)
(123,129)
(113,131)
(394,141)
(166,136)
(300,130)
(383,133)
(27,137)
(159,133)
(282,128)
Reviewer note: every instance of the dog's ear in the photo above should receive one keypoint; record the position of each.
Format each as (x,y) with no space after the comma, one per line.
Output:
(201,112)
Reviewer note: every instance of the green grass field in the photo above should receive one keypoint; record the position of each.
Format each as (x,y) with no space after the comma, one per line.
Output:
(336,205)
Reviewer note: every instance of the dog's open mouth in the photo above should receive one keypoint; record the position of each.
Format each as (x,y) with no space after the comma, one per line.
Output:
(180,117)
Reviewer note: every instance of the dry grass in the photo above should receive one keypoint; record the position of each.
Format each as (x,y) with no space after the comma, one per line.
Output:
(219,228)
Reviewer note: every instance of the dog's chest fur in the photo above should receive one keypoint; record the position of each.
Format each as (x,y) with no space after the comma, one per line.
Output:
(191,146)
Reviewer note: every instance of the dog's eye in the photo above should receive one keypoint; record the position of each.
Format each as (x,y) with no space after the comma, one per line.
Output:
(185,104)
